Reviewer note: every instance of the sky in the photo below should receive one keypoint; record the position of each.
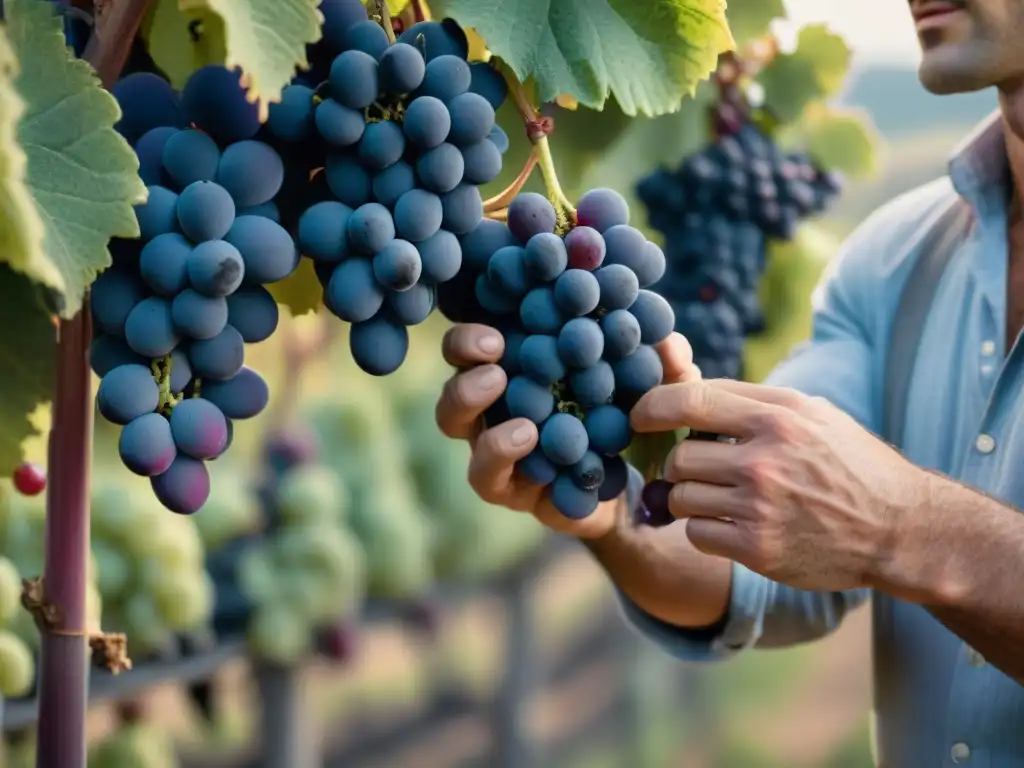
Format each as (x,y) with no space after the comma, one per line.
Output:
(878,31)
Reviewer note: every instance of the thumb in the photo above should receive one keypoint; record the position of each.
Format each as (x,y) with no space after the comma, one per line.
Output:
(677,360)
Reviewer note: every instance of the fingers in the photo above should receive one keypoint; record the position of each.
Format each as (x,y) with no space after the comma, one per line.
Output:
(715,537)
(493,463)
(692,500)
(677,359)
(701,406)
(780,396)
(706,462)
(465,397)
(470,344)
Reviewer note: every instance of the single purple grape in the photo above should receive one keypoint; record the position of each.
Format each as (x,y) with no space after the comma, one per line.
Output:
(653,508)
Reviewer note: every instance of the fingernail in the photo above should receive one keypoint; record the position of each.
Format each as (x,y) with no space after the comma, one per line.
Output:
(522,435)
(489,344)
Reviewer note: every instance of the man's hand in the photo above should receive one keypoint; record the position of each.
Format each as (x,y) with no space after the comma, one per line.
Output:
(805,496)
(476,350)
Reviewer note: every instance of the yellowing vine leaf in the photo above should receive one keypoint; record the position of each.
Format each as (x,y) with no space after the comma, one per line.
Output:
(26,359)
(395,7)
(477,46)
(182,41)
(21,229)
(648,54)
(82,174)
(300,292)
(266,39)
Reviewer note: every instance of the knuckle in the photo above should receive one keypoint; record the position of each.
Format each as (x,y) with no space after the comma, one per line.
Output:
(758,474)
(675,461)
(456,344)
(449,405)
(817,402)
(759,510)
(695,398)
(490,444)
(777,423)
(480,481)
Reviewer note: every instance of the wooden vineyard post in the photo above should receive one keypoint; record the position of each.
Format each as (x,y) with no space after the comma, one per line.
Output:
(286,727)
(514,745)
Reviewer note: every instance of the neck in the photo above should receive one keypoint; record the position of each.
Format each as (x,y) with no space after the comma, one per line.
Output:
(1011,104)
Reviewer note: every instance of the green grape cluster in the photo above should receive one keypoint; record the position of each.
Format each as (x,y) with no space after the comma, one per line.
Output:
(307,572)
(359,441)
(134,745)
(22,536)
(150,567)
(473,539)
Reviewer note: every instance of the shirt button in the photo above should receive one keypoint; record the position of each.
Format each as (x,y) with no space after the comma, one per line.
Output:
(985,444)
(974,658)
(960,753)
(988,348)
(986,369)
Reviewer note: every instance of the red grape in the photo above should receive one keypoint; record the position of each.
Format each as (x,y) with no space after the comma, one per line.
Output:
(30,479)
(586,248)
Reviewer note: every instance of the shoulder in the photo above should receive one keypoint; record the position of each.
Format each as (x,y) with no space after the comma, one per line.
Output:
(886,241)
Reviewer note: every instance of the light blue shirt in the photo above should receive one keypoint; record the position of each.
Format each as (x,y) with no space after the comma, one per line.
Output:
(937,703)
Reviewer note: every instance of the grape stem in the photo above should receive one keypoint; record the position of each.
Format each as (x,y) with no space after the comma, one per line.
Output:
(758,54)
(162,374)
(381,14)
(564,208)
(503,198)
(63,682)
(299,351)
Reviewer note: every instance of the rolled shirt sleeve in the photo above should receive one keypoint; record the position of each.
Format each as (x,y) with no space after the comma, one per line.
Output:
(840,363)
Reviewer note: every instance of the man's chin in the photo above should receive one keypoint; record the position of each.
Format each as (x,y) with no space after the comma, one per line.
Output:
(941,76)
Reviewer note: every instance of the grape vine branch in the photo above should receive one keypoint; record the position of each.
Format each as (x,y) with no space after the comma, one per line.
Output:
(63,674)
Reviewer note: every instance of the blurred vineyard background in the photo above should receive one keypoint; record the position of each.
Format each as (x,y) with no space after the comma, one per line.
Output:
(800,707)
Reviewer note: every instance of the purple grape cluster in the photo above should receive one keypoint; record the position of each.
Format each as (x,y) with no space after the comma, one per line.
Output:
(579,327)
(397,138)
(177,307)
(717,212)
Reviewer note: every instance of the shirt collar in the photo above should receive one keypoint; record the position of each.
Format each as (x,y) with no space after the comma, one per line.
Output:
(979,166)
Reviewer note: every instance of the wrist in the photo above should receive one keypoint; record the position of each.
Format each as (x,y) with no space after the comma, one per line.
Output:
(915,562)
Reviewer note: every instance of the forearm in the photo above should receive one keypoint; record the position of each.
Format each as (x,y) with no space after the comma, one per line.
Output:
(662,573)
(961,555)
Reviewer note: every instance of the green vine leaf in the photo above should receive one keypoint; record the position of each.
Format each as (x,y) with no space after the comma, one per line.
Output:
(21,228)
(815,70)
(828,53)
(266,39)
(790,84)
(750,19)
(648,55)
(843,141)
(794,269)
(27,355)
(182,41)
(82,174)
